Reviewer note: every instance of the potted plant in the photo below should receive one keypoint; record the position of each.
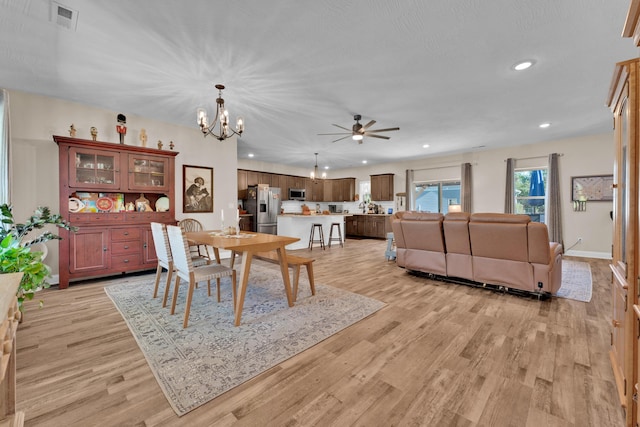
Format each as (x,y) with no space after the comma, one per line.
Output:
(15,252)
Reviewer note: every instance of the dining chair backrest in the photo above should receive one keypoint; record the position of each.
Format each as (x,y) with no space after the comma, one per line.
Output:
(180,251)
(161,243)
(190,224)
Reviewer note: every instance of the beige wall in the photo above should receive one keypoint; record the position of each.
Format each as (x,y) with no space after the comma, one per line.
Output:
(588,155)
(35,119)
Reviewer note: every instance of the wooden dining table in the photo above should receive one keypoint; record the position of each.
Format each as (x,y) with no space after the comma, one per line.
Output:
(247,243)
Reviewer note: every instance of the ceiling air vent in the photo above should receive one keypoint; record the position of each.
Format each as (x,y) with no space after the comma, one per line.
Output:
(64,16)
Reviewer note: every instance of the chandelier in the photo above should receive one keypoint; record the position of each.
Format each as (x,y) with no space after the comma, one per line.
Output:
(315,174)
(222,118)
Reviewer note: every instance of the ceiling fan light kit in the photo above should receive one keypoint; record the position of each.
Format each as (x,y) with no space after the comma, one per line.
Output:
(358,131)
(221,118)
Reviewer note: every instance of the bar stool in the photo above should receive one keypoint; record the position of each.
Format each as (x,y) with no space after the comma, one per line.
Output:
(320,233)
(337,239)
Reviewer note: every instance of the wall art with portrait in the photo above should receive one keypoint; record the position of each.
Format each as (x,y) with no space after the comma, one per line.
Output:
(197,184)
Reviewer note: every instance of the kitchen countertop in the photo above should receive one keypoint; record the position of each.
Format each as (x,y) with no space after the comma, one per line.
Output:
(330,214)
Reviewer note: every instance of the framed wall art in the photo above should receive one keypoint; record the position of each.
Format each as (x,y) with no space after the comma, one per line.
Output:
(596,188)
(197,182)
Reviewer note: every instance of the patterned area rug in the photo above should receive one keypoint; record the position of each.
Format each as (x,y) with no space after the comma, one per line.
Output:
(211,356)
(576,281)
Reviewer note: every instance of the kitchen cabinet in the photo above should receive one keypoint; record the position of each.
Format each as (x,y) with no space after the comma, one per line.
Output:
(348,189)
(314,190)
(280,181)
(321,190)
(373,226)
(246,222)
(382,187)
(328,191)
(109,239)
(243,184)
(252,178)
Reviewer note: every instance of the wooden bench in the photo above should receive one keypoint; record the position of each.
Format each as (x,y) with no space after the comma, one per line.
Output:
(295,262)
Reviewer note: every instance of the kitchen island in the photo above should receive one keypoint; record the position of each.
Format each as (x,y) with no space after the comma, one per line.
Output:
(298,225)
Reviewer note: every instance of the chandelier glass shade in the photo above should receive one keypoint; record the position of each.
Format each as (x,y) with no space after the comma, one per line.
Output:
(221,120)
(314,175)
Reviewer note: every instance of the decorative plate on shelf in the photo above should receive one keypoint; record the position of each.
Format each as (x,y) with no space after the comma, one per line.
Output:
(104,204)
(162,204)
(75,205)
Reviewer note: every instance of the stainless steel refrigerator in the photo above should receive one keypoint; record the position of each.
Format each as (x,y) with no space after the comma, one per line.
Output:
(263,202)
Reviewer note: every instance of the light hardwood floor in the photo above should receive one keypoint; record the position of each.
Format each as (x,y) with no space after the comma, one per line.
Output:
(437,354)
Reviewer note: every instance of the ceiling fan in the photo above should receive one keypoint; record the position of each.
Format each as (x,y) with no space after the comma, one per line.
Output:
(358,131)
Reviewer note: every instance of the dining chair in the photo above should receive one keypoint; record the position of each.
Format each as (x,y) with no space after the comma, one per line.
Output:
(186,271)
(190,224)
(165,259)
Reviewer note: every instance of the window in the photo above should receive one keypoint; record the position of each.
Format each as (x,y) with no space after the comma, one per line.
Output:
(529,187)
(436,196)
(365,191)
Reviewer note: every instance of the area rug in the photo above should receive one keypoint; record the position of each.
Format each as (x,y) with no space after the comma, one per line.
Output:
(212,356)
(576,281)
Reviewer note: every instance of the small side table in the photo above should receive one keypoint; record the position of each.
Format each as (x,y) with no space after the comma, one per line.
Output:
(390,253)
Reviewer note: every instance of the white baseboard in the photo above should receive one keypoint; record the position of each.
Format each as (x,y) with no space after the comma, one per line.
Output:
(588,254)
(54,280)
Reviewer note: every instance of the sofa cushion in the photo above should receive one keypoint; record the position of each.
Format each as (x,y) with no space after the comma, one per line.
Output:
(456,232)
(492,238)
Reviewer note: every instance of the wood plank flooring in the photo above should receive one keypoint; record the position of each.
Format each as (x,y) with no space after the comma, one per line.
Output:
(438,354)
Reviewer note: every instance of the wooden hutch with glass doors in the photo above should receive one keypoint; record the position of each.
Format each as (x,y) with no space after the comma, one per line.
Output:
(111,192)
(624,100)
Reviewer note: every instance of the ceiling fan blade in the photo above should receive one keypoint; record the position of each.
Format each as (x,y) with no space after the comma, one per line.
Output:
(341,127)
(341,133)
(383,130)
(340,139)
(377,136)
(368,125)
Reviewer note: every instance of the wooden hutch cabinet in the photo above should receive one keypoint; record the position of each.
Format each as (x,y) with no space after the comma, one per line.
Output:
(110,239)
(623,99)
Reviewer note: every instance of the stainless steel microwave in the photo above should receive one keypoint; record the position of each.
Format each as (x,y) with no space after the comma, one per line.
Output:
(296,194)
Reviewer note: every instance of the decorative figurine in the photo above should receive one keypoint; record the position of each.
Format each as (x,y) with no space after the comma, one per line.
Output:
(159,145)
(171,145)
(94,133)
(72,131)
(143,137)
(121,128)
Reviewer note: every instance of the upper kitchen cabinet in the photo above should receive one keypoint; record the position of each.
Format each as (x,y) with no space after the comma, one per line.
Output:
(382,187)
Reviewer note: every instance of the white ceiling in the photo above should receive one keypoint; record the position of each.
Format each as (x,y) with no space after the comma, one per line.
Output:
(439,70)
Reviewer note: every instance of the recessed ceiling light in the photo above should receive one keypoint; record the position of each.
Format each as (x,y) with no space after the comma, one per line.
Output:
(544,125)
(425,146)
(326,167)
(364,162)
(250,154)
(523,65)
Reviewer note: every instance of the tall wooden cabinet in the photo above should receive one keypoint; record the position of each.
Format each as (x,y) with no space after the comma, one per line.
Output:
(623,99)
(111,240)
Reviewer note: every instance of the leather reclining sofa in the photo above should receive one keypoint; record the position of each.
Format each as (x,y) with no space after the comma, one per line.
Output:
(505,250)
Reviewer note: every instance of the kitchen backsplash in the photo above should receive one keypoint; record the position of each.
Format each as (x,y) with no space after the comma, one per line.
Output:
(293,206)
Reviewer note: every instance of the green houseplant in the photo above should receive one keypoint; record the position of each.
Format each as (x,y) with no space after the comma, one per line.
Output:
(15,251)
